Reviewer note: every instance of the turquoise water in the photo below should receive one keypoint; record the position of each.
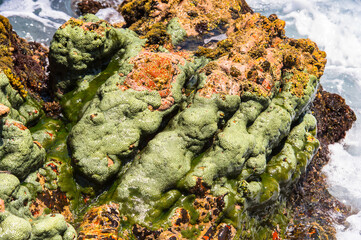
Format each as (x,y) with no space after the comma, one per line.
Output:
(334,25)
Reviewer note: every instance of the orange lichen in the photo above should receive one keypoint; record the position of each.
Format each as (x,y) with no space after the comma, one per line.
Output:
(4,110)
(98,27)
(16,124)
(101,223)
(196,17)
(2,206)
(259,45)
(154,72)
(54,200)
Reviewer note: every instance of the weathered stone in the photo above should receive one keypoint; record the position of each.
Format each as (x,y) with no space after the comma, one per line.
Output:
(19,154)
(4,111)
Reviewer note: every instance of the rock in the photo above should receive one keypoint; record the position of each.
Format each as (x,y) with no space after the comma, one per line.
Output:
(166,142)
(24,110)
(334,117)
(19,154)
(90,6)
(8,183)
(196,19)
(13,227)
(125,111)
(52,227)
(24,63)
(85,45)
(4,110)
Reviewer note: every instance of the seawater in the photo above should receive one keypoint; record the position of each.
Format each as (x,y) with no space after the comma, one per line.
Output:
(334,25)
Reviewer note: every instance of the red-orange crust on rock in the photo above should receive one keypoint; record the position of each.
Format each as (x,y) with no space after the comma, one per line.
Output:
(154,72)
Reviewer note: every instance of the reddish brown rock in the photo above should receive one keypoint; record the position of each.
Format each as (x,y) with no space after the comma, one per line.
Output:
(4,110)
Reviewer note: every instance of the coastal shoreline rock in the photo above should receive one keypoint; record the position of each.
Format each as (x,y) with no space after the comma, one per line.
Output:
(200,143)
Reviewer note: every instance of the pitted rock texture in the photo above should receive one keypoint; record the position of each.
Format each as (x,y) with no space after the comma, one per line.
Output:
(235,125)
(19,154)
(167,142)
(126,111)
(85,45)
(24,110)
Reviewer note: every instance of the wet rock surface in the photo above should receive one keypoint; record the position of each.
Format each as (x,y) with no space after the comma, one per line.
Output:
(315,209)
(158,141)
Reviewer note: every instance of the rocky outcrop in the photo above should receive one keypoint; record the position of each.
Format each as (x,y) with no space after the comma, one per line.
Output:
(165,142)
(19,154)
(85,45)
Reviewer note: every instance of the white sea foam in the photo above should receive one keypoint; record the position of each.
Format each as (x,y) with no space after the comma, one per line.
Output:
(37,20)
(111,15)
(352,231)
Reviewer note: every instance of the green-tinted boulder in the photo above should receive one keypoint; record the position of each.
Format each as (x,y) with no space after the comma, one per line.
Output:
(8,184)
(23,110)
(13,227)
(127,110)
(52,227)
(19,154)
(84,46)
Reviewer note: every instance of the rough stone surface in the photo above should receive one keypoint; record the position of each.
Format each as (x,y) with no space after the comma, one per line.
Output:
(19,154)
(82,46)
(201,143)
(24,110)
(13,227)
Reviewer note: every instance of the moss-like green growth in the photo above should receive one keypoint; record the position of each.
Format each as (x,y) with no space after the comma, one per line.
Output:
(25,110)
(50,227)
(19,154)
(176,31)
(13,227)
(160,166)
(84,46)
(8,185)
(125,111)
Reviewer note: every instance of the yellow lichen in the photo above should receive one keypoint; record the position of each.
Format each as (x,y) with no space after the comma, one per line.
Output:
(15,82)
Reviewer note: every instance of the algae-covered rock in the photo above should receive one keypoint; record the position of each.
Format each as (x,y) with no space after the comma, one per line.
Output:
(23,62)
(84,46)
(126,111)
(8,184)
(194,18)
(19,154)
(197,143)
(51,227)
(24,110)
(13,227)
(160,166)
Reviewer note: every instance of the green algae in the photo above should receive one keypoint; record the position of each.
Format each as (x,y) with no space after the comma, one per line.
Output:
(13,227)
(85,44)
(50,227)
(128,116)
(9,183)
(232,155)
(18,153)
(176,31)
(25,110)
(159,167)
